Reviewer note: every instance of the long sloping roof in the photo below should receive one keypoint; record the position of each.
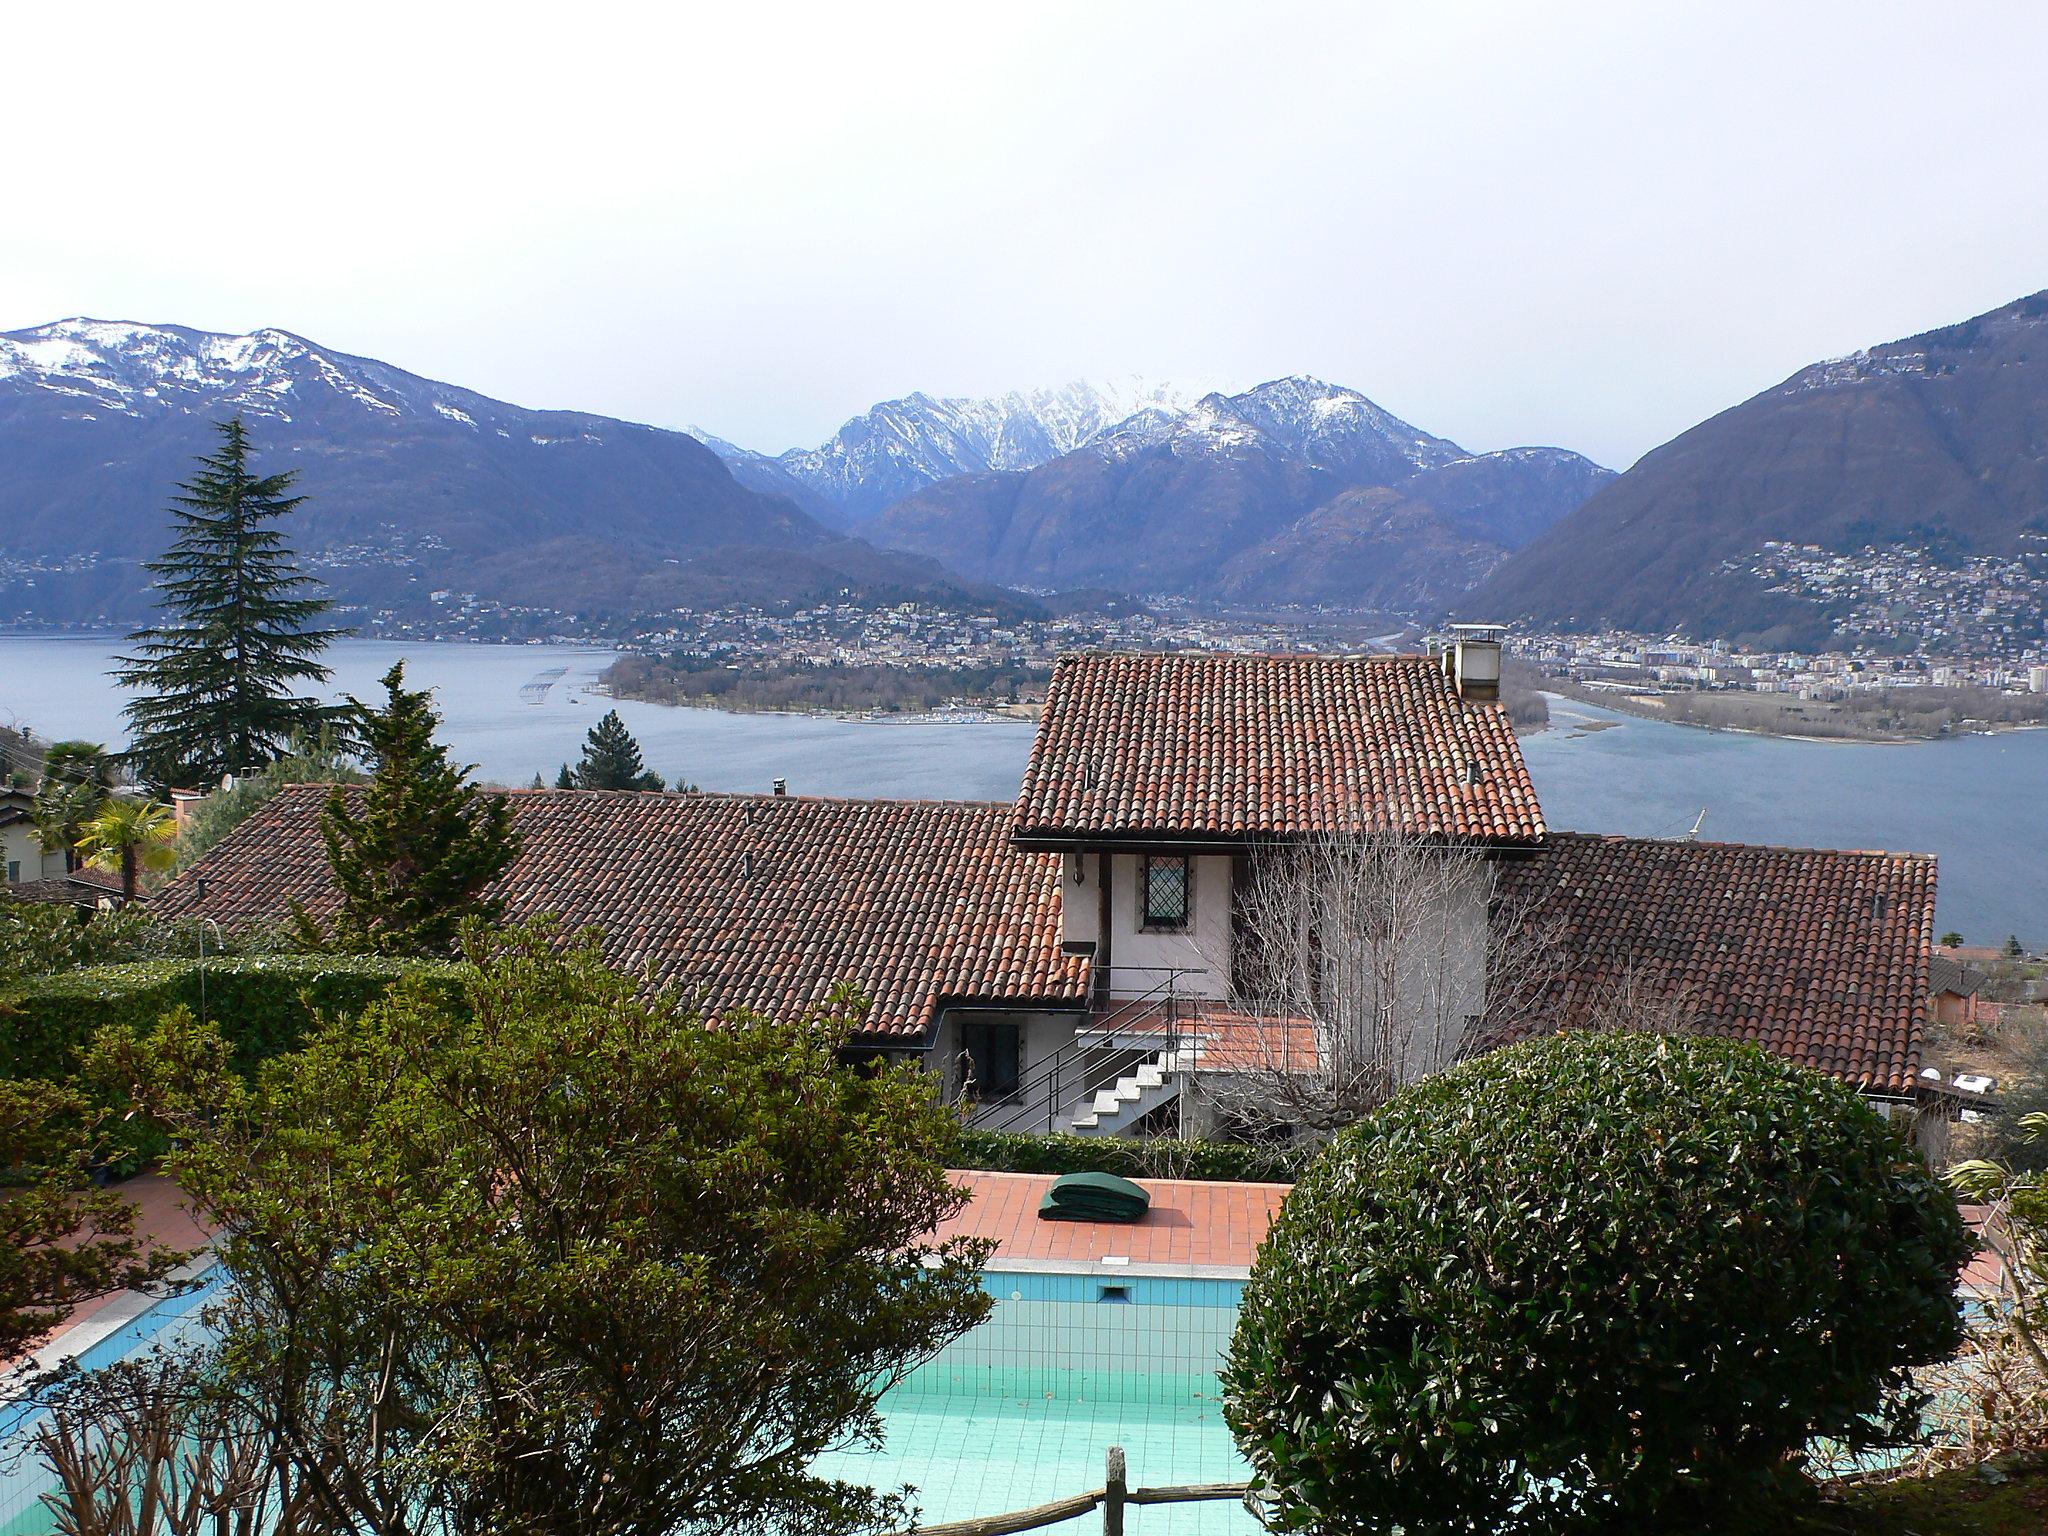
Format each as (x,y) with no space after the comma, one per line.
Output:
(1233,748)
(1816,954)
(761,903)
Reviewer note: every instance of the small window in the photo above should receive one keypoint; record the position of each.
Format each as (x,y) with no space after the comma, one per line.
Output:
(1168,894)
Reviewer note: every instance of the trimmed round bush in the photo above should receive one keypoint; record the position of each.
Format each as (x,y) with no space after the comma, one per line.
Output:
(1592,1281)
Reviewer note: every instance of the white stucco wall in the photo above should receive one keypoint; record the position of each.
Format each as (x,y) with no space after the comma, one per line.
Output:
(18,846)
(1041,1035)
(1139,959)
(1080,903)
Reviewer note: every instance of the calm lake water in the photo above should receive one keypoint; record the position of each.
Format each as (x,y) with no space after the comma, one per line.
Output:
(1980,802)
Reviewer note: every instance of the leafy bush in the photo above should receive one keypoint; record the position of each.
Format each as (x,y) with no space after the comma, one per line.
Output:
(1229,1162)
(1588,1282)
(38,938)
(261,1003)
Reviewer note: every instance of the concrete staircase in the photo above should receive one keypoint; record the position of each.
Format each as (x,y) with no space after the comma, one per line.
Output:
(1154,1083)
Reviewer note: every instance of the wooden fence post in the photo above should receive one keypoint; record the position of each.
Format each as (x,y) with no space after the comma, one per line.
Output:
(1113,1493)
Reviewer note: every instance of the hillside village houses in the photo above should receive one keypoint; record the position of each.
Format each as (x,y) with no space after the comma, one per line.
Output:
(1075,960)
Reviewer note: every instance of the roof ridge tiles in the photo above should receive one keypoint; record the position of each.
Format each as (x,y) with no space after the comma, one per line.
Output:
(1559,833)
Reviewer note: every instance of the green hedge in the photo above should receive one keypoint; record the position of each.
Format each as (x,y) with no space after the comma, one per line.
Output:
(1225,1161)
(262,1003)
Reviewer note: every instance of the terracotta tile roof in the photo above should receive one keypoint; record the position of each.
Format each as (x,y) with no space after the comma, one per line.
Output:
(1190,1222)
(1237,747)
(83,887)
(1818,955)
(762,902)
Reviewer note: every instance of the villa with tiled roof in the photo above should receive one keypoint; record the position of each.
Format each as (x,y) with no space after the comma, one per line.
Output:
(757,903)
(1028,952)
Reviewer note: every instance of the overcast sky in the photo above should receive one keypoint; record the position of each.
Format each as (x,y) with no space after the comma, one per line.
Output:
(1590,225)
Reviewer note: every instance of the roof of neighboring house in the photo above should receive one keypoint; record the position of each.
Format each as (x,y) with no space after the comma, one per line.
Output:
(83,887)
(1818,955)
(755,902)
(1945,975)
(1230,748)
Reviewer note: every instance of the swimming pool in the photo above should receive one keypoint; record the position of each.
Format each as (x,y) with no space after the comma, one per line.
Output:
(127,1326)
(1072,1360)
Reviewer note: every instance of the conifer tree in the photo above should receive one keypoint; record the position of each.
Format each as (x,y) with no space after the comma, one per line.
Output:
(611,758)
(566,779)
(214,681)
(413,850)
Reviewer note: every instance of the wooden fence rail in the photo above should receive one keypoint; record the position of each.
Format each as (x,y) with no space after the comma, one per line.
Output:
(1111,1498)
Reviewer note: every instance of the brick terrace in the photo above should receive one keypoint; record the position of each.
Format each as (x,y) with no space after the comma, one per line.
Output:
(1189,1222)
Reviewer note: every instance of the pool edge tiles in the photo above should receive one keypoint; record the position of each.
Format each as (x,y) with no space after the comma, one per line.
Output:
(124,1327)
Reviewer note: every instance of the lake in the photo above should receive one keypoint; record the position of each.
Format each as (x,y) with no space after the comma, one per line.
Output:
(1980,802)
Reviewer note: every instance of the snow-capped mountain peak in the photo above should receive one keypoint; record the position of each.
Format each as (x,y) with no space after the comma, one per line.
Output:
(134,369)
(900,446)
(1339,429)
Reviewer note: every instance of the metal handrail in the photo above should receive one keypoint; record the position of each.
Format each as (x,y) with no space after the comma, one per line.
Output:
(1047,1077)
(1112,1498)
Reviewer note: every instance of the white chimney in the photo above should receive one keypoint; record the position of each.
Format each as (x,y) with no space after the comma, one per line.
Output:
(1473,661)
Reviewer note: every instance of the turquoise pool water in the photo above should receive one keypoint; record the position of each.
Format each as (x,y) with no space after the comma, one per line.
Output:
(1019,1412)
(23,1480)
(1023,1409)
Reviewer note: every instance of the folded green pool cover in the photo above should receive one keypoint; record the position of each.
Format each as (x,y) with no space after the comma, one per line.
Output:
(1093,1197)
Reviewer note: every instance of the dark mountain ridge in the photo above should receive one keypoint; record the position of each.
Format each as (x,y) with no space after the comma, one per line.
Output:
(1937,443)
(412,486)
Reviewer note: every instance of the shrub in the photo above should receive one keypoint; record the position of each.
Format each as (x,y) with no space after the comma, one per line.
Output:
(1229,1162)
(261,1003)
(37,939)
(1583,1282)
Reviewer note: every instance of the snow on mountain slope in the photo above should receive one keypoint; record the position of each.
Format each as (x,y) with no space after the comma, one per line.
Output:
(1254,496)
(901,446)
(143,369)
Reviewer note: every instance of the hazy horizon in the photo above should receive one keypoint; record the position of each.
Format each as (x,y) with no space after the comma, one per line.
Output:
(1590,229)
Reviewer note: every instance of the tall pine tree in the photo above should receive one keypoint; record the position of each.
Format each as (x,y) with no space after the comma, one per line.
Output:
(214,681)
(611,758)
(413,851)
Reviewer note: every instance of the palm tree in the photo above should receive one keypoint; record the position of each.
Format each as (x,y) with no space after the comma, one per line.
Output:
(78,762)
(131,836)
(61,811)
(76,778)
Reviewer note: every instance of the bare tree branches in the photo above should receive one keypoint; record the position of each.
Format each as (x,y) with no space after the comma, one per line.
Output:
(1361,964)
(144,1448)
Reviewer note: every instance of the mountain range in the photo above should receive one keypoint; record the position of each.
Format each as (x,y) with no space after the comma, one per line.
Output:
(1293,494)
(901,446)
(1936,445)
(1296,492)
(412,487)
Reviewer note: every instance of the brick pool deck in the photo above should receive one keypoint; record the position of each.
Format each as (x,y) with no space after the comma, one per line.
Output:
(1190,1224)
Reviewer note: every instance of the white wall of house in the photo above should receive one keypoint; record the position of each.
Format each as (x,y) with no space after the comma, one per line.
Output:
(22,857)
(1139,958)
(1080,905)
(1442,980)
